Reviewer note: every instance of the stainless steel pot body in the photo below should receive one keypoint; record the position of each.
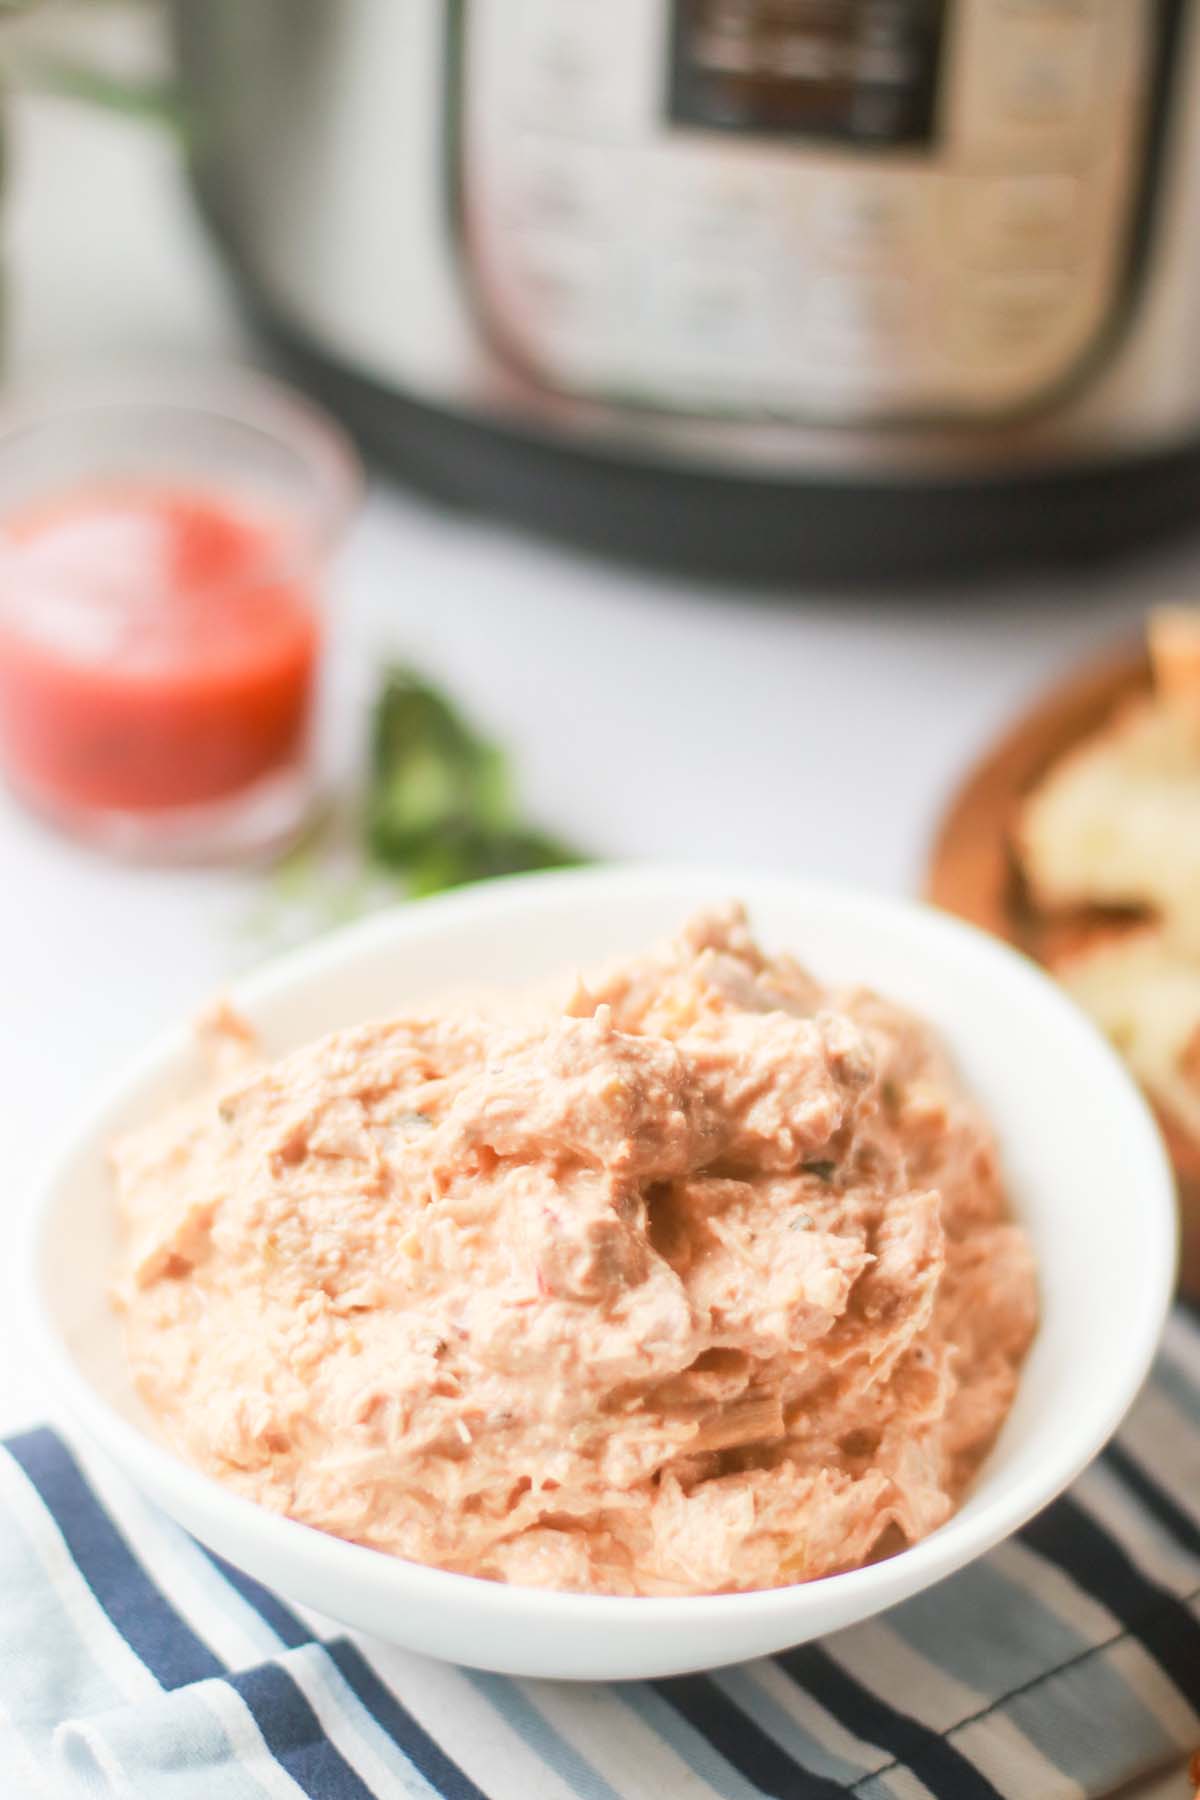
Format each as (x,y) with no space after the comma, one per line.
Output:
(892,243)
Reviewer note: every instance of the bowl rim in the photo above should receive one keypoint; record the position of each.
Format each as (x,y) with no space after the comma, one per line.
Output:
(877,1585)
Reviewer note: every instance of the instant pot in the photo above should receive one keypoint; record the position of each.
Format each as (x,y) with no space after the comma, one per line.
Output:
(822,287)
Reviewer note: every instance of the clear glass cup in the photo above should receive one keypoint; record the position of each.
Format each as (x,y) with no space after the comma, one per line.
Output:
(165,542)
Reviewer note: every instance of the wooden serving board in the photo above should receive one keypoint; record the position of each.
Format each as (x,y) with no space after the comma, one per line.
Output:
(974,872)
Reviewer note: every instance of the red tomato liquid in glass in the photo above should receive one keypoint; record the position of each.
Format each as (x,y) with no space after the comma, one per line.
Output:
(158,648)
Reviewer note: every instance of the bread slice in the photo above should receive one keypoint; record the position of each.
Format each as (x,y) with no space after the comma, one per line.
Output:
(1143,991)
(1116,822)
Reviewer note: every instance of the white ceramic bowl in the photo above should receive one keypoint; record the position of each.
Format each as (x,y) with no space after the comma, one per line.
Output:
(1085,1166)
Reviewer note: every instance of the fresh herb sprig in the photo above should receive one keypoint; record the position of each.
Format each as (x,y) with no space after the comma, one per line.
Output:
(439,808)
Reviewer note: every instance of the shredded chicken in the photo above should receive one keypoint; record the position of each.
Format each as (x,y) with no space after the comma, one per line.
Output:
(706,1283)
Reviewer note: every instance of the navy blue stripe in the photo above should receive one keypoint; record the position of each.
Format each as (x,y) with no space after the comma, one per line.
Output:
(147,1621)
(944,1769)
(1155,1499)
(1067,1535)
(379,1700)
(742,1742)
(289,1629)
(293,1734)
(421,1750)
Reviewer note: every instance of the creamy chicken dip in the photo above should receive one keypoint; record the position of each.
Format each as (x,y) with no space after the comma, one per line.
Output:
(703,1280)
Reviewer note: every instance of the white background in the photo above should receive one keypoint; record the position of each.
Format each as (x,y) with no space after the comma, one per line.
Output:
(809,732)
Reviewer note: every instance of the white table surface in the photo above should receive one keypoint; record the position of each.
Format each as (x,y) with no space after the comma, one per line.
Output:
(816,733)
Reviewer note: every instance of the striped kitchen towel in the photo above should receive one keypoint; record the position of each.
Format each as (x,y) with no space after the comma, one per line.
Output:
(134,1665)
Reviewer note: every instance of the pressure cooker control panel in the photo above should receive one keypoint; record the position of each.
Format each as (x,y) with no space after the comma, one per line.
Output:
(815,208)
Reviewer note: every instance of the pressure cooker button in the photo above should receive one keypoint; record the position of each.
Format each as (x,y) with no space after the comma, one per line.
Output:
(562,193)
(1020,221)
(869,222)
(553,300)
(858,314)
(708,211)
(715,314)
(1042,75)
(587,67)
(1006,318)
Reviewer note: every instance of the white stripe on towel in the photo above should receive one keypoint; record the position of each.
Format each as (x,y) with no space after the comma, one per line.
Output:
(246,1740)
(350,1728)
(105,1645)
(16,1756)
(891,1666)
(593,1718)
(1046,1583)
(1134,1528)
(882,1662)
(789,1714)
(221,1619)
(1012,1763)
(1166,1442)
(478,1738)
(1157,1692)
